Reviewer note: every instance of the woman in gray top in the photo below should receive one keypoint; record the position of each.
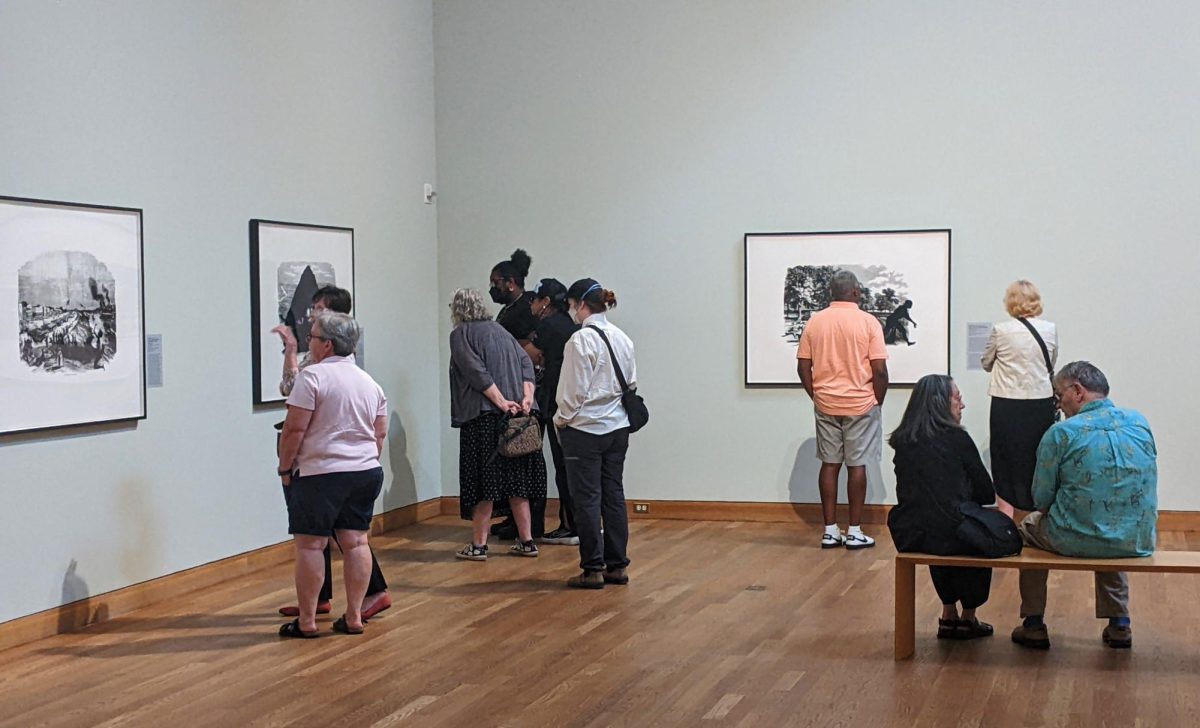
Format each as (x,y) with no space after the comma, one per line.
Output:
(491,378)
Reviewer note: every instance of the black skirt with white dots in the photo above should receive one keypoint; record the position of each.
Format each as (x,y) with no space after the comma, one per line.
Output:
(482,477)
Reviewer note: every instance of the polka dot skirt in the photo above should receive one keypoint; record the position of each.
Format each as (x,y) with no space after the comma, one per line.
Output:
(501,478)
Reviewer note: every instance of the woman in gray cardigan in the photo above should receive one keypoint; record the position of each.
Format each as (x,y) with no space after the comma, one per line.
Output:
(491,378)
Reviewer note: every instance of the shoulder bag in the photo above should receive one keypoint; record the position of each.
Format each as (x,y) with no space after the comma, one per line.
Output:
(1049,367)
(635,406)
(991,533)
(519,436)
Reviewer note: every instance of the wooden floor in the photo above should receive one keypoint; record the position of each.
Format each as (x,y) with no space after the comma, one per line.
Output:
(737,624)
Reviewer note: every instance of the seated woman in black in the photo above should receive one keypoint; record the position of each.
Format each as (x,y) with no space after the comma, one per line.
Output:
(937,468)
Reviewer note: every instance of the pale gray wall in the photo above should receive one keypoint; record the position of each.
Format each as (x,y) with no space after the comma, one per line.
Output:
(206,114)
(637,141)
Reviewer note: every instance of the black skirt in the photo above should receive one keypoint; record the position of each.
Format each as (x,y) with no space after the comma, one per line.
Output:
(1017,426)
(482,477)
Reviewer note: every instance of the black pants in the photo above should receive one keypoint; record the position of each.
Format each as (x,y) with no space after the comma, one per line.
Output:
(374,586)
(566,512)
(954,584)
(595,467)
(1017,426)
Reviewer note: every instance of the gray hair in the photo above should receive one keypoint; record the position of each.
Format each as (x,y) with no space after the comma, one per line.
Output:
(340,330)
(1086,374)
(842,285)
(468,305)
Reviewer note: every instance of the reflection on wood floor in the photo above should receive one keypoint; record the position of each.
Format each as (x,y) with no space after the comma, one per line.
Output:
(739,624)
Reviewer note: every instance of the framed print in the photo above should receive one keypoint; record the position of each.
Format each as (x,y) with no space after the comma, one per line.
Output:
(904,276)
(72,325)
(288,263)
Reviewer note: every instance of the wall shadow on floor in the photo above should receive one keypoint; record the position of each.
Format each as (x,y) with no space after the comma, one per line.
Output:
(802,481)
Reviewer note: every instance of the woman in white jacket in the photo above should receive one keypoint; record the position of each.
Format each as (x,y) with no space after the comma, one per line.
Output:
(594,431)
(1023,405)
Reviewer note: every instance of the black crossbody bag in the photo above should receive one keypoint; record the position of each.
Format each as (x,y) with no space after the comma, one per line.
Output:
(635,406)
(991,533)
(1049,367)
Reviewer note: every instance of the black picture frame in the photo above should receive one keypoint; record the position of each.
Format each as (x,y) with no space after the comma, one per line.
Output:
(937,361)
(270,242)
(99,236)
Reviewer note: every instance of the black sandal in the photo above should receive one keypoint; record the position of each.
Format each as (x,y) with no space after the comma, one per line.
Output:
(292,629)
(948,629)
(339,625)
(969,629)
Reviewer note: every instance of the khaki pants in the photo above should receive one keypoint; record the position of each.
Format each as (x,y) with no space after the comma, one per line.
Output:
(1112,587)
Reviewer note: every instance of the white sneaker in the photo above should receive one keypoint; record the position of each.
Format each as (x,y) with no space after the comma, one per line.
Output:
(832,541)
(855,541)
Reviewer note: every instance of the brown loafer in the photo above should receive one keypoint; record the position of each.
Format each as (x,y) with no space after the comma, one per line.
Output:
(616,576)
(1118,637)
(587,580)
(1037,638)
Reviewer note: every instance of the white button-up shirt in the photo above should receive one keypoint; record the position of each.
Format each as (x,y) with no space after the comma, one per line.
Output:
(1016,362)
(589,395)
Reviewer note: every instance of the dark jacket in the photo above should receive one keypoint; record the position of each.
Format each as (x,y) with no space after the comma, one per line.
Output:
(482,353)
(551,338)
(932,479)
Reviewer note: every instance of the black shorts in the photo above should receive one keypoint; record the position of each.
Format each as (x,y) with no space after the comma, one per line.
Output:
(320,504)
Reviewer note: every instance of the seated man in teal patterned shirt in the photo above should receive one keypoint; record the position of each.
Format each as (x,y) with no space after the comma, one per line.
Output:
(1095,488)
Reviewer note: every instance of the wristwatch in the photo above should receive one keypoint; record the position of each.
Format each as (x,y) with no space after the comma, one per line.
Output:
(281,473)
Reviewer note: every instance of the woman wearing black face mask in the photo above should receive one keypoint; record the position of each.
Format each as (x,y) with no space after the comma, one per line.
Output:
(508,290)
(516,316)
(545,348)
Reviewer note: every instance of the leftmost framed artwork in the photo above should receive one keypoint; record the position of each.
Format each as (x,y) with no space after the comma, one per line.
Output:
(72,315)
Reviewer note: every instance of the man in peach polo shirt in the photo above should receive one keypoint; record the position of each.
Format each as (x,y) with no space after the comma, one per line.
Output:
(843,367)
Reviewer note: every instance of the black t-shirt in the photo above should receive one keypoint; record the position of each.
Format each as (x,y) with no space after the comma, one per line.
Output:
(551,339)
(517,317)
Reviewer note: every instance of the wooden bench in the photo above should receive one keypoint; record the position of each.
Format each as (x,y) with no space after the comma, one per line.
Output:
(1165,562)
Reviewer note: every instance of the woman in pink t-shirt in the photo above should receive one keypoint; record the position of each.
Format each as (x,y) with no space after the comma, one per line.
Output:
(332,437)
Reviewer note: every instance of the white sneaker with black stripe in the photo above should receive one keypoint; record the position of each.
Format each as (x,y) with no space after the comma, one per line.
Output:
(832,540)
(860,540)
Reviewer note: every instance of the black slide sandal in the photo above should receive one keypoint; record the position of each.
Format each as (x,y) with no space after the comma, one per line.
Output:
(340,625)
(292,629)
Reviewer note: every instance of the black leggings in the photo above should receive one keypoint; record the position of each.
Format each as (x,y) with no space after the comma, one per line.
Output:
(954,584)
(376,585)
(566,514)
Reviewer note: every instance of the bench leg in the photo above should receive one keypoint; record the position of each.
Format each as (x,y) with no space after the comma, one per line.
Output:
(906,608)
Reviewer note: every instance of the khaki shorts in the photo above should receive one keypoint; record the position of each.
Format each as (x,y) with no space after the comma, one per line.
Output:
(850,440)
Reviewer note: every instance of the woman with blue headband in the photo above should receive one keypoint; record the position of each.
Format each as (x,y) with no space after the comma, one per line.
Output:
(593,428)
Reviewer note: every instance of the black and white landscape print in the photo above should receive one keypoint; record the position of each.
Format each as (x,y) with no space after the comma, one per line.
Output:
(297,283)
(67,312)
(885,295)
(905,283)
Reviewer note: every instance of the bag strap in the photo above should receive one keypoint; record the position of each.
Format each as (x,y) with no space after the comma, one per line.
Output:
(613,355)
(1041,342)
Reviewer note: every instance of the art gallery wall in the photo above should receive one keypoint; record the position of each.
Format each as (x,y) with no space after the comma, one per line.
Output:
(207,114)
(637,142)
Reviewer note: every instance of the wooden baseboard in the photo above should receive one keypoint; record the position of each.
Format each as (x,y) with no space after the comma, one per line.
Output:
(450,506)
(1179,520)
(810,513)
(717,511)
(746,511)
(103,607)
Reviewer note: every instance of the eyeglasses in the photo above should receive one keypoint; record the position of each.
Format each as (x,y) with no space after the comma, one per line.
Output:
(310,337)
